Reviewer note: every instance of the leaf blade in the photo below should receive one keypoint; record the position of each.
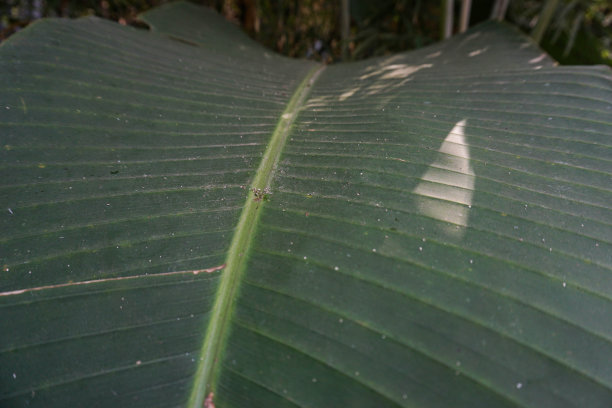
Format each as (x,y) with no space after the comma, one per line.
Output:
(468,182)
(120,168)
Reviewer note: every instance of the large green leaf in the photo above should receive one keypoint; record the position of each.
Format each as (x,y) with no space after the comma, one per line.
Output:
(438,232)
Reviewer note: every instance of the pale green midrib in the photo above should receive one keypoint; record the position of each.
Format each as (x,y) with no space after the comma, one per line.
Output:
(216,332)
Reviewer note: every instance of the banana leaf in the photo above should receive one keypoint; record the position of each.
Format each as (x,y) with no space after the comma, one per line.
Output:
(190,220)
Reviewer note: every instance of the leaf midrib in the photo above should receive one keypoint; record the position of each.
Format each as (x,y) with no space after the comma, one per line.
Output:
(217,330)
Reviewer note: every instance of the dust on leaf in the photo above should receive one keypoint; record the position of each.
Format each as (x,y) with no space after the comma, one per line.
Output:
(261,194)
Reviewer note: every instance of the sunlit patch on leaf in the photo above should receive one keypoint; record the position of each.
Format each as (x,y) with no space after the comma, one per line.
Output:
(446,190)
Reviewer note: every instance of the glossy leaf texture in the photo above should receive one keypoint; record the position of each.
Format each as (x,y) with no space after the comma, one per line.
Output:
(438,233)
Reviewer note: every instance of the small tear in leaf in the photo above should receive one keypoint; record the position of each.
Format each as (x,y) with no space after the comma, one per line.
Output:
(118,278)
(209,270)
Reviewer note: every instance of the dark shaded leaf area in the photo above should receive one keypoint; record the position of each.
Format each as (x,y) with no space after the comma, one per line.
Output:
(437,231)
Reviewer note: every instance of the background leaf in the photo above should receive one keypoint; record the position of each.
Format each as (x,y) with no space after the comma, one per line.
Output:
(438,231)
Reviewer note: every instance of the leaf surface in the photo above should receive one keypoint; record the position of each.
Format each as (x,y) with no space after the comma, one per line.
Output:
(438,231)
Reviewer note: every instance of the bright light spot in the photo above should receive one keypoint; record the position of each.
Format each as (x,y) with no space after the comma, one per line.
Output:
(447,187)
(403,70)
(389,71)
(478,52)
(348,94)
(537,59)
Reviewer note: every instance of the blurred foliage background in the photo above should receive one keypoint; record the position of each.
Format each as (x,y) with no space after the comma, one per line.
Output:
(580,31)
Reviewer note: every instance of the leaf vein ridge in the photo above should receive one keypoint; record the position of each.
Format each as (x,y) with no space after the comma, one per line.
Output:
(217,330)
